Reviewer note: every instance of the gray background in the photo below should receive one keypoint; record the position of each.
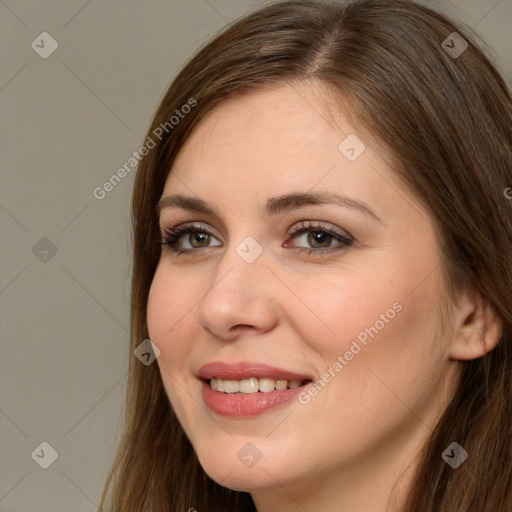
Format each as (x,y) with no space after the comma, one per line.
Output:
(68,123)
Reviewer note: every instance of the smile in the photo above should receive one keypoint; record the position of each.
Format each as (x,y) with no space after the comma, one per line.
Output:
(248,389)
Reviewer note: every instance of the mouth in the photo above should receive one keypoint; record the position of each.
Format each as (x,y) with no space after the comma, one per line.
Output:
(248,389)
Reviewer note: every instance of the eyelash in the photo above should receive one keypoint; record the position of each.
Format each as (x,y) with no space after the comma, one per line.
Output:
(171,236)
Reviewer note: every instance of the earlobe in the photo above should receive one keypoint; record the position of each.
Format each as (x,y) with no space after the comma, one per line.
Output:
(478,330)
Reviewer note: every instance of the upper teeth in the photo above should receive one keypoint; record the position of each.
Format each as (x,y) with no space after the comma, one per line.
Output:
(253,385)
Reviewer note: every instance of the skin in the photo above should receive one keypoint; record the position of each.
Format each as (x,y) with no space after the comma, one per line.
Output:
(345,449)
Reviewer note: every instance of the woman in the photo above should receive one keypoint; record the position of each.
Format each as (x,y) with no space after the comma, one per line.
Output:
(322,248)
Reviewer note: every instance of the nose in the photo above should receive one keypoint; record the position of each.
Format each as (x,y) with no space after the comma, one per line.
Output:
(238,297)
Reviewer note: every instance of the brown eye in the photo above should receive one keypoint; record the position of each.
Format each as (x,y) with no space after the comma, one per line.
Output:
(198,238)
(319,239)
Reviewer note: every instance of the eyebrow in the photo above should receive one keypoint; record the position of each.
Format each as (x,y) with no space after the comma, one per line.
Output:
(274,205)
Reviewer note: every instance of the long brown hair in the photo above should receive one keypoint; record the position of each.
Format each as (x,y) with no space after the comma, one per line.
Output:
(447,120)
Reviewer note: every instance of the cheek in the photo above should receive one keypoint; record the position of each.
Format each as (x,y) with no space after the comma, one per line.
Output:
(374,324)
(391,353)
(336,312)
(159,305)
(166,317)
(168,307)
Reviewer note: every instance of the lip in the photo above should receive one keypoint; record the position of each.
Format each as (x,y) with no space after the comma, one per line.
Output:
(250,404)
(246,370)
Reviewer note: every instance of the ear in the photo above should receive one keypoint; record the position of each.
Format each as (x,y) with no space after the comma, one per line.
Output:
(477,330)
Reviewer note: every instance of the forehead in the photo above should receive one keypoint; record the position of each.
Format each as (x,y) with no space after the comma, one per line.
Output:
(270,142)
(260,124)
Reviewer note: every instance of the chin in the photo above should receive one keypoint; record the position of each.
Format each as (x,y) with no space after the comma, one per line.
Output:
(229,471)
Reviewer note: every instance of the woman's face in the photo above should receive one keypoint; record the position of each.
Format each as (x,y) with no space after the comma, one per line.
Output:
(348,306)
